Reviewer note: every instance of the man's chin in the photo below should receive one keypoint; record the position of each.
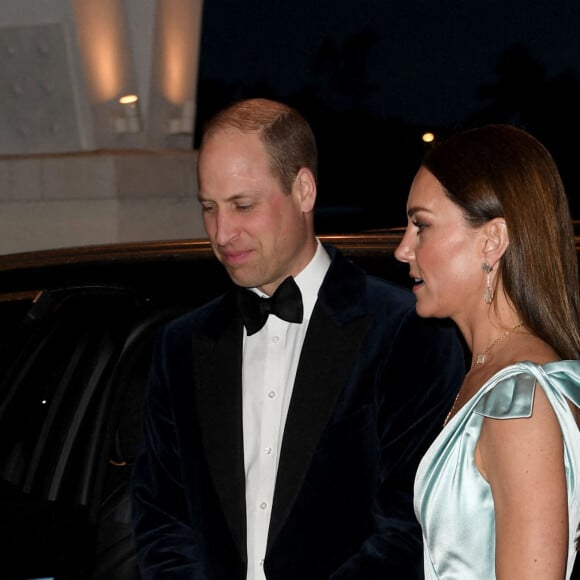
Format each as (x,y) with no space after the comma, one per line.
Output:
(240,280)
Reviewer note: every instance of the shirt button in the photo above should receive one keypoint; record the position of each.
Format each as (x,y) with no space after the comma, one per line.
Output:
(263,505)
(268,450)
(272,394)
(275,339)
(262,562)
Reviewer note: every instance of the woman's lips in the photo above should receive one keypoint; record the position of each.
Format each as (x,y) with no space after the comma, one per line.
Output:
(418,282)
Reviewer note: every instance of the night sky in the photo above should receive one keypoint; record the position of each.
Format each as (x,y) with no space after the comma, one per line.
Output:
(425,63)
(429,58)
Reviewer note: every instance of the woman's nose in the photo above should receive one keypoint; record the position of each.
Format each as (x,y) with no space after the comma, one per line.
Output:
(403,252)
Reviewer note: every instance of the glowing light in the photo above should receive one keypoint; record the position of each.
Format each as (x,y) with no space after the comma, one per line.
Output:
(128,99)
(130,122)
(428,137)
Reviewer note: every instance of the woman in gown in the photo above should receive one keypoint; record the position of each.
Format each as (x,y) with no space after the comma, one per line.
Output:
(490,244)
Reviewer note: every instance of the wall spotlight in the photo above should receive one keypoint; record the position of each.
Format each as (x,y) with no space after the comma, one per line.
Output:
(182,125)
(130,120)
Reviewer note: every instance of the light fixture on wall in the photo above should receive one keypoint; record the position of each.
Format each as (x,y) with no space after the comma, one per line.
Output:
(182,125)
(130,119)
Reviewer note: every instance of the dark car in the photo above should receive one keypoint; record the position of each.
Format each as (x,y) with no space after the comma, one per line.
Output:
(76,334)
(77,331)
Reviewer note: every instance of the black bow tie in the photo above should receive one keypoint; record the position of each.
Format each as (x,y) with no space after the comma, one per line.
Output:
(285,303)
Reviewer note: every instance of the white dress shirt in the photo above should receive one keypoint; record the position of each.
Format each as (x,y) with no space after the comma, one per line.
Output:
(270,360)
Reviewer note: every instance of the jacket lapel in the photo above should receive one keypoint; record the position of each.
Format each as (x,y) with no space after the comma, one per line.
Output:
(217,378)
(334,335)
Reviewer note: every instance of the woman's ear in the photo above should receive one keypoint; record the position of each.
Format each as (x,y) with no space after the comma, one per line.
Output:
(496,240)
(306,186)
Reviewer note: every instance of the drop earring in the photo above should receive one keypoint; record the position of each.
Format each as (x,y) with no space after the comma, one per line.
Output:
(488,295)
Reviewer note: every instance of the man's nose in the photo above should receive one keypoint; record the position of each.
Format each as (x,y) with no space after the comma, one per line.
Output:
(226,228)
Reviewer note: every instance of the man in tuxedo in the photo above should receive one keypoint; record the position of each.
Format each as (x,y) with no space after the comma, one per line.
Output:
(281,435)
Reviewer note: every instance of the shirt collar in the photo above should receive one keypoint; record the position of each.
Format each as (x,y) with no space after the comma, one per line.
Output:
(310,279)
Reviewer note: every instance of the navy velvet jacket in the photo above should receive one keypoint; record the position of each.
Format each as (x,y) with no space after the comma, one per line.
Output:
(372,388)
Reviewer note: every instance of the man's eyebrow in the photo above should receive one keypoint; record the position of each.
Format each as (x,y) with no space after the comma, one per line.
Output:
(234,197)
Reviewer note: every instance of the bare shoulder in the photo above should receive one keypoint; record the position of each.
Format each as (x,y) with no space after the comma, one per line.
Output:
(511,446)
(537,351)
(529,347)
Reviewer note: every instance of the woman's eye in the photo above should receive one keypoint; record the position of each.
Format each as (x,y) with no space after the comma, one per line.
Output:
(419,225)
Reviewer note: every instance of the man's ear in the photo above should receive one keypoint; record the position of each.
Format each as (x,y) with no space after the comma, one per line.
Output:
(496,240)
(305,183)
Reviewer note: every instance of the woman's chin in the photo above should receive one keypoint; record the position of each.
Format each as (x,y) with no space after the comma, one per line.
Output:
(426,311)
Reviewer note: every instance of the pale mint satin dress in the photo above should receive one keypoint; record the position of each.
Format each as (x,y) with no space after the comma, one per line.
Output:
(453,502)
